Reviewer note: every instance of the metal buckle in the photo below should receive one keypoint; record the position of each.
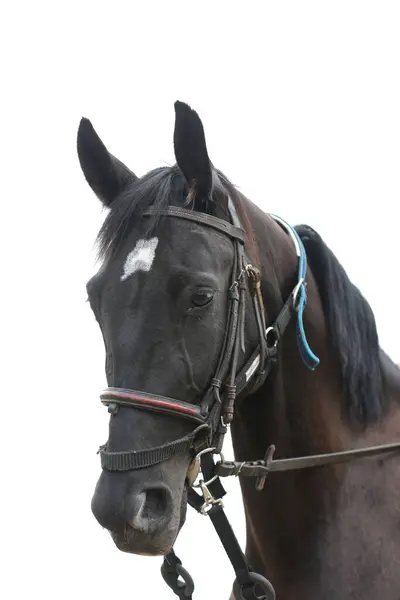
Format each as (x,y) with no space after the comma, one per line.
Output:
(268,458)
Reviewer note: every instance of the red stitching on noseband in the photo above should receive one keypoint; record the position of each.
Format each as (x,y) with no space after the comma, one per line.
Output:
(152,402)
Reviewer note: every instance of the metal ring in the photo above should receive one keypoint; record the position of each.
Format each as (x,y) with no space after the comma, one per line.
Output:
(170,575)
(197,485)
(205,451)
(189,583)
(265,585)
(275,337)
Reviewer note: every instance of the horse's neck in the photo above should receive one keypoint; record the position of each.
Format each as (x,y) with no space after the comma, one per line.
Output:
(293,412)
(298,526)
(305,528)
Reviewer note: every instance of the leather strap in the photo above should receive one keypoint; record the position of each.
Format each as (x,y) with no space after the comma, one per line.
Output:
(246,580)
(140,459)
(261,468)
(132,398)
(208,413)
(217,406)
(236,233)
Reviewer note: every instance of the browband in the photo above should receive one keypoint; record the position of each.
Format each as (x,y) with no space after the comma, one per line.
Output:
(228,229)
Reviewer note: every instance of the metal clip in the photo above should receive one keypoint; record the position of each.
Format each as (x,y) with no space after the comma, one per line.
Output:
(196,466)
(209,500)
(254,274)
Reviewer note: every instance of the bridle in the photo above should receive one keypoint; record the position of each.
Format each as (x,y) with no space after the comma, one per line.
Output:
(213,415)
(215,411)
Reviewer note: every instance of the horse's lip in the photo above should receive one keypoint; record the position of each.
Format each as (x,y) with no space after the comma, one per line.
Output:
(139,543)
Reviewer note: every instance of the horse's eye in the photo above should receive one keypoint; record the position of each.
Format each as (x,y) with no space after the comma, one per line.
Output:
(202,296)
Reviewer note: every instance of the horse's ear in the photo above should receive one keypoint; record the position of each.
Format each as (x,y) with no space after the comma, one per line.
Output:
(106,175)
(191,155)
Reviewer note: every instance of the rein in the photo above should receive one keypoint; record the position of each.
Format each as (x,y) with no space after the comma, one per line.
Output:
(213,415)
(261,468)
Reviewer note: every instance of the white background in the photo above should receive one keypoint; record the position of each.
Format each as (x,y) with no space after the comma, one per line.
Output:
(300,103)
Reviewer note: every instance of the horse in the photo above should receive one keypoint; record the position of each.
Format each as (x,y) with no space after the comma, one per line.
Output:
(210,323)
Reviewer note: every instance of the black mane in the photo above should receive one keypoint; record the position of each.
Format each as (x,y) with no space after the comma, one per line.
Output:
(160,188)
(352,329)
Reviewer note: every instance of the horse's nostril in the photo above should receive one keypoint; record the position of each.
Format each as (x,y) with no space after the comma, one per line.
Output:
(156,504)
(149,508)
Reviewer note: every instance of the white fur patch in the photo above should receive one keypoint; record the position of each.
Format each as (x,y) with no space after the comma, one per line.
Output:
(141,258)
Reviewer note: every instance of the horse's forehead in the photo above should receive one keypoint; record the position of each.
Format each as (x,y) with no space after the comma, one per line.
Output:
(190,245)
(141,258)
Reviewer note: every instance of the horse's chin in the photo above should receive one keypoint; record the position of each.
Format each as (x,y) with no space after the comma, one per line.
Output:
(141,544)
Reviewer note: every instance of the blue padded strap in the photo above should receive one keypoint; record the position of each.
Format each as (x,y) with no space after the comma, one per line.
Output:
(308,356)
(306,353)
